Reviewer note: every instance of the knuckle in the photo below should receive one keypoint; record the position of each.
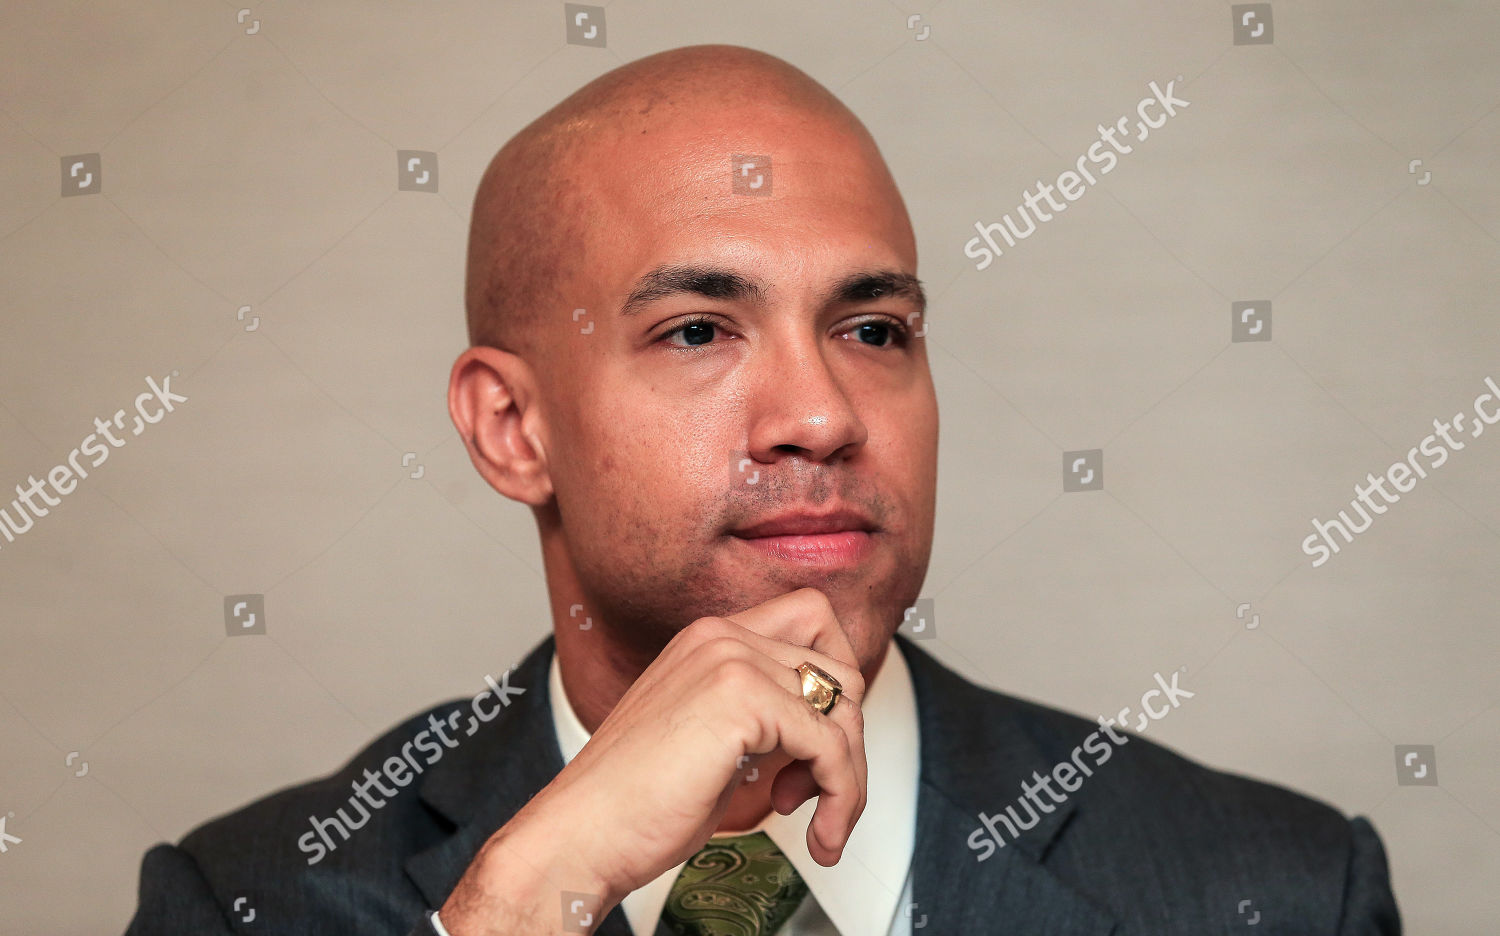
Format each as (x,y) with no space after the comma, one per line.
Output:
(815,600)
(855,684)
(710,627)
(717,652)
(810,716)
(721,647)
(736,676)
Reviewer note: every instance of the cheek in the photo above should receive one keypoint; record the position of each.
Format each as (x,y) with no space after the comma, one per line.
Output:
(626,481)
(908,453)
(915,449)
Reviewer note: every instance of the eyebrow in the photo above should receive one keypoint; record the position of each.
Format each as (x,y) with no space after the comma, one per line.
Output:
(726,284)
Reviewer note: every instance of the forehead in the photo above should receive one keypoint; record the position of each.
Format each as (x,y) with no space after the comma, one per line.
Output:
(670,196)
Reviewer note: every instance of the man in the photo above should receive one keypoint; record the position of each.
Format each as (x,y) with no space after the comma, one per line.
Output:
(730,452)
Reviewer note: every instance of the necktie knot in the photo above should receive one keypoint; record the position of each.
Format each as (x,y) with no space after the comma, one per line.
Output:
(739,885)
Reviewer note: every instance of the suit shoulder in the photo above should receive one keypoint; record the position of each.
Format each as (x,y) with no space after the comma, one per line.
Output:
(336,853)
(1119,779)
(1151,820)
(1165,844)
(1155,776)
(283,826)
(1158,787)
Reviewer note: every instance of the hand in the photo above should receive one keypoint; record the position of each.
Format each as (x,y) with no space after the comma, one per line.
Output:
(656,778)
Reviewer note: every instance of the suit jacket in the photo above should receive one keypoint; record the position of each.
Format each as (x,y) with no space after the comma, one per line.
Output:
(1150,844)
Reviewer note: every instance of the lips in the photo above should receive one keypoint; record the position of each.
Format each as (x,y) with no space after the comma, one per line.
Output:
(840,538)
(802,523)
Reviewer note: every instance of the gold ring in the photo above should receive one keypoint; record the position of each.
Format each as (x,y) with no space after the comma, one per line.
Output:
(819,688)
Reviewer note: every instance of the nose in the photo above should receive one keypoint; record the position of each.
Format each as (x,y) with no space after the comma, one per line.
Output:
(799,406)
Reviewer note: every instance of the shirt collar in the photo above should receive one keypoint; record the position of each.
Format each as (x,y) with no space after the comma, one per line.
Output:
(860,894)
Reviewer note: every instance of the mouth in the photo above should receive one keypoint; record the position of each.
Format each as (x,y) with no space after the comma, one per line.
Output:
(839,538)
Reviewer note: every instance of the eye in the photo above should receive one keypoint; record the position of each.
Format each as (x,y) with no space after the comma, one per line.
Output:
(880,328)
(884,332)
(697,331)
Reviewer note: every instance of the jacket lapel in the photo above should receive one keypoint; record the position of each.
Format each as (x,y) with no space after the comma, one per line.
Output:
(975,755)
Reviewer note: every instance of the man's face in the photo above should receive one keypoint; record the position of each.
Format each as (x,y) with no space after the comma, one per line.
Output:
(690,417)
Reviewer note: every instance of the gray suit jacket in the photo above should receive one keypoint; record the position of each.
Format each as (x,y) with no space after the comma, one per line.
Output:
(1150,844)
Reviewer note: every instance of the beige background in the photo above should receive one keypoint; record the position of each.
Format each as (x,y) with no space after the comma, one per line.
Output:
(260,170)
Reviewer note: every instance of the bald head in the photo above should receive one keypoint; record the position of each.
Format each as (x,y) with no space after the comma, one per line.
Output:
(539,200)
(745,353)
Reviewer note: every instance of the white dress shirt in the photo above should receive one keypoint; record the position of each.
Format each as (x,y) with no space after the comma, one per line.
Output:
(869,890)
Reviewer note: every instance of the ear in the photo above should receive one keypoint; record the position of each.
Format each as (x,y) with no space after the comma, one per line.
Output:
(490,397)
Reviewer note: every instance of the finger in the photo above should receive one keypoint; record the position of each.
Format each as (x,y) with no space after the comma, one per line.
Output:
(791,655)
(757,686)
(793,786)
(832,743)
(804,617)
(808,736)
(849,717)
(846,711)
(697,646)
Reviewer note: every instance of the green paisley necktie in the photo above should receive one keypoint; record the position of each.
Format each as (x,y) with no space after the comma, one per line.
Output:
(739,885)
